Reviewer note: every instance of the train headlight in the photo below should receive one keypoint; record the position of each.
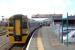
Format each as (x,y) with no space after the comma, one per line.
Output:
(23,32)
(10,30)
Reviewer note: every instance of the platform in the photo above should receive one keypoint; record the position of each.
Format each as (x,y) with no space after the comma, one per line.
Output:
(46,39)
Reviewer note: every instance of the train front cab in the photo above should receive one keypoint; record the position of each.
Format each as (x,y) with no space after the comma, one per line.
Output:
(18,29)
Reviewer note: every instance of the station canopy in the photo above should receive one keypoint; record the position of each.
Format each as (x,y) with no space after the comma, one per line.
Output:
(55,16)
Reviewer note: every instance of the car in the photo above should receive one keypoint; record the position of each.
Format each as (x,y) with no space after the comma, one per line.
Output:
(70,37)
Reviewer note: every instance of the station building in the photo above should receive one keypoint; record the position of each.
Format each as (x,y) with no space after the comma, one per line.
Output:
(57,18)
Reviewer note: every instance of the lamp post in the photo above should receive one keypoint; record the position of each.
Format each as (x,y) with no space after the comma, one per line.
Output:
(62,31)
(67,30)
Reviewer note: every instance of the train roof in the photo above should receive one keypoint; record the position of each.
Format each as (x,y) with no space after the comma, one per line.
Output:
(18,16)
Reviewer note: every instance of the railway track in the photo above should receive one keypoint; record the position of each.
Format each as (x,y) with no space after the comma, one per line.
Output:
(8,46)
(16,47)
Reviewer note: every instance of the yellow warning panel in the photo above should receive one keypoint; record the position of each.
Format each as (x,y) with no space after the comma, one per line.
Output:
(24,38)
(17,27)
(11,38)
(40,45)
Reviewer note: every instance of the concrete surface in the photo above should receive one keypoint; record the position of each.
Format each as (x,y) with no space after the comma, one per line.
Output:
(49,41)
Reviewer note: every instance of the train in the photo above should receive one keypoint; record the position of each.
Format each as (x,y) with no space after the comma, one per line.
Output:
(19,28)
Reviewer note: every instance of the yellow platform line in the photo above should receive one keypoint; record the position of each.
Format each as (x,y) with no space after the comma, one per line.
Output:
(39,43)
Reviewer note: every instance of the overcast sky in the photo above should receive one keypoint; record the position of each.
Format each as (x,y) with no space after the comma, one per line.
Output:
(29,7)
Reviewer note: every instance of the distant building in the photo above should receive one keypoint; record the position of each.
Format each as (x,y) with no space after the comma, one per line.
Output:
(57,17)
(3,22)
(71,20)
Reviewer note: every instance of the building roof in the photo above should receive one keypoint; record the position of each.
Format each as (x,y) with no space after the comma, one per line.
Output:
(71,17)
(54,16)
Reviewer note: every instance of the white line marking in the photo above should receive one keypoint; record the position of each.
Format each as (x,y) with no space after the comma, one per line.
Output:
(30,41)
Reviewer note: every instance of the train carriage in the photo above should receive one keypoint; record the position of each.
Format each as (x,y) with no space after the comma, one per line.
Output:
(18,29)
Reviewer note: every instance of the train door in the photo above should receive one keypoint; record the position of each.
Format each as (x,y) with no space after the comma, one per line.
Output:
(17,32)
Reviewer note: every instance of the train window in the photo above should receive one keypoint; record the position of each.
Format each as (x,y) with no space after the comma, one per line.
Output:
(11,24)
(24,24)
